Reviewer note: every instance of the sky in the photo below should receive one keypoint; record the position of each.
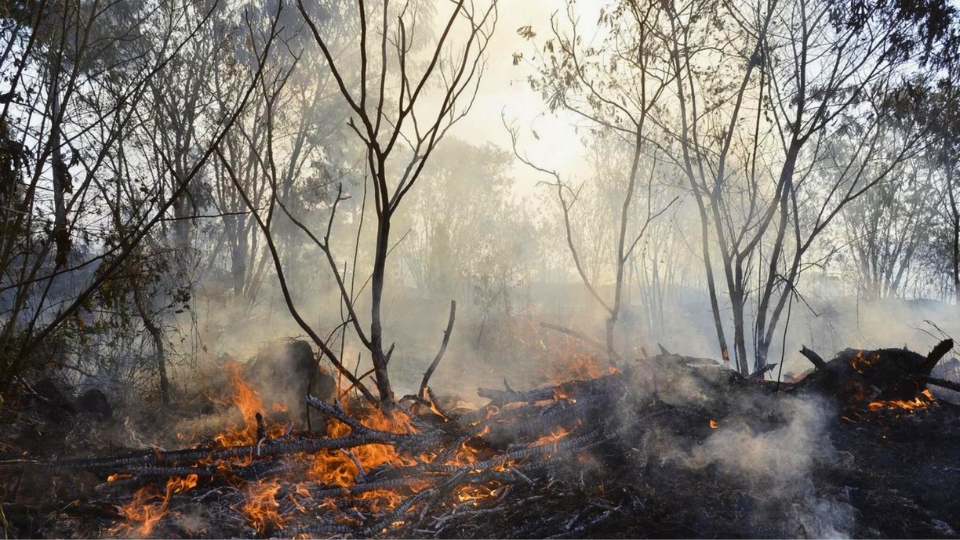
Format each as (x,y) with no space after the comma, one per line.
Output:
(505,92)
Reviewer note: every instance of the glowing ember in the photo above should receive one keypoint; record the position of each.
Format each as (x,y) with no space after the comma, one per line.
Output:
(714,424)
(860,363)
(553,437)
(472,494)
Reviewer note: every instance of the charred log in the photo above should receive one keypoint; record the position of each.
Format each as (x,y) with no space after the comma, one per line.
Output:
(856,377)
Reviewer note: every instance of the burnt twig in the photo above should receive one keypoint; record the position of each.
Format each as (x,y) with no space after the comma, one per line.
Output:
(818,362)
(443,348)
(949,385)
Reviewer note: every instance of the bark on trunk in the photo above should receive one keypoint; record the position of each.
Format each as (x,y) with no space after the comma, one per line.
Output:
(376,328)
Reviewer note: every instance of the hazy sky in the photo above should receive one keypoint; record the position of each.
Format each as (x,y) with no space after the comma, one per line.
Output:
(505,90)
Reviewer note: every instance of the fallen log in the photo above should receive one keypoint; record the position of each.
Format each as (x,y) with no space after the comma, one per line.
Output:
(242,452)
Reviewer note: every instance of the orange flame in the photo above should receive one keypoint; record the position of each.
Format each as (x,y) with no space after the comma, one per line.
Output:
(337,468)
(247,400)
(553,437)
(859,363)
(142,514)
(261,507)
(179,485)
(474,493)
(924,400)
(714,424)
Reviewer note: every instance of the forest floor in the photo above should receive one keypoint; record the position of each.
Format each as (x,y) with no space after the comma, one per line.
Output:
(709,456)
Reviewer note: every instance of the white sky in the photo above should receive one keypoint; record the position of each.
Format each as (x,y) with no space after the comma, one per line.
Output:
(505,90)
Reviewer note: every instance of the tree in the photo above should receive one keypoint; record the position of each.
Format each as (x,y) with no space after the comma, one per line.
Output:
(80,74)
(753,133)
(619,88)
(390,112)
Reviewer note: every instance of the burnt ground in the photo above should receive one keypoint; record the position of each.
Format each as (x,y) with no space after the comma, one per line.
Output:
(898,476)
(707,461)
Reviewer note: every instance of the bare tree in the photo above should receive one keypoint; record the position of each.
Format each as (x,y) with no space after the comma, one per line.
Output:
(399,111)
(588,81)
(752,139)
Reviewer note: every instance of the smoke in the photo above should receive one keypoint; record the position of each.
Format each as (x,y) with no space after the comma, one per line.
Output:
(778,463)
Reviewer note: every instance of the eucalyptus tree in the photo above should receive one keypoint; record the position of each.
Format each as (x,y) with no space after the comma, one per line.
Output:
(619,88)
(402,91)
(78,82)
(754,132)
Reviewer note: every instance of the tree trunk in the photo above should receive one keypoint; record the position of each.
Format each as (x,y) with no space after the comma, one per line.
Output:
(955,213)
(157,335)
(376,327)
(61,176)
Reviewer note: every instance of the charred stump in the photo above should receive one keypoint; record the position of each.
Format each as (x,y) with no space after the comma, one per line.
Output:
(856,377)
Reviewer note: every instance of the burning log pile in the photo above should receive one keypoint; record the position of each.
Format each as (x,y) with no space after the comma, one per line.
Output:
(882,379)
(646,449)
(379,473)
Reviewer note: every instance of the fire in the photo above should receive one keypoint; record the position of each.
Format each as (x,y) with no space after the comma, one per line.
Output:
(338,468)
(924,400)
(577,366)
(179,485)
(142,513)
(261,507)
(553,437)
(247,400)
(860,363)
(384,499)
(714,424)
(466,455)
(472,494)
(570,362)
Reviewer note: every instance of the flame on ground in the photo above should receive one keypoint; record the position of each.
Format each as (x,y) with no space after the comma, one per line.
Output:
(474,493)
(553,437)
(261,507)
(338,468)
(924,400)
(143,512)
(247,400)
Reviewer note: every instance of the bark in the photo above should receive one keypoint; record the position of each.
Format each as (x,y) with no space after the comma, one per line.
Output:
(61,175)
(381,375)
